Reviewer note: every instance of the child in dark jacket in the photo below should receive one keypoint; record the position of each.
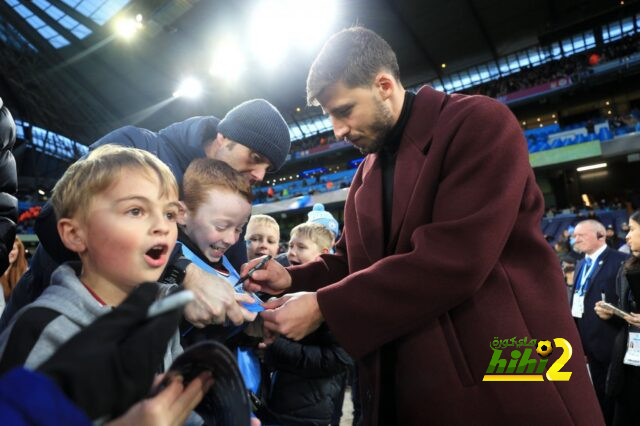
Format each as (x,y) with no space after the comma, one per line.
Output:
(309,376)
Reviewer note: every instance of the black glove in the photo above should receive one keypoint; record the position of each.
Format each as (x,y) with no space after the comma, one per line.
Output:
(110,365)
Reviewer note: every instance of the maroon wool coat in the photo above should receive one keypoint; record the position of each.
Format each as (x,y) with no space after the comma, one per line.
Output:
(469,263)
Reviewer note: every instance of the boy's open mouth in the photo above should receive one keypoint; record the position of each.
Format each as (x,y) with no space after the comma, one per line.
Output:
(157,251)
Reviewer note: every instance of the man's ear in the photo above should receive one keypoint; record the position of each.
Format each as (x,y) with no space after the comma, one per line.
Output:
(386,84)
(72,235)
(183,213)
(212,147)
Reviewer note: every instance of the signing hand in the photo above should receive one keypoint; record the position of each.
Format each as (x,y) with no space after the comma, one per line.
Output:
(215,300)
(295,315)
(273,278)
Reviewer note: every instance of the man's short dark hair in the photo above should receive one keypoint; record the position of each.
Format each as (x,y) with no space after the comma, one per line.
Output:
(353,56)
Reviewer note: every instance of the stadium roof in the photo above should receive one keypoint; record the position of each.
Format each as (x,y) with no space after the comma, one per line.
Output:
(65,70)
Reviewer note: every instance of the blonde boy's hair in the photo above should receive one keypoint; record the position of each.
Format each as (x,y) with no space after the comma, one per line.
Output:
(99,170)
(263,219)
(205,174)
(317,233)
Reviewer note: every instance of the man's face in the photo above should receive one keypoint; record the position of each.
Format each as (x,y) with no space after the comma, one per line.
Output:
(253,165)
(129,231)
(217,223)
(261,239)
(586,239)
(359,115)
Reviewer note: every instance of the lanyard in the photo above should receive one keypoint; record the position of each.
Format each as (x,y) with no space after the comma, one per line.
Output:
(584,278)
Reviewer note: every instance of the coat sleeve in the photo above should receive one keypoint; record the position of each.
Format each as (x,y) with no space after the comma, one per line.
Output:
(482,180)
(30,339)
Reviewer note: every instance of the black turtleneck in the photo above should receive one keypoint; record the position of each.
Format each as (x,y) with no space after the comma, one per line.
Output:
(388,155)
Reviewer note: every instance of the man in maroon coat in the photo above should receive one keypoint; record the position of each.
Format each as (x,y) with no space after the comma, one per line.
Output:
(441,252)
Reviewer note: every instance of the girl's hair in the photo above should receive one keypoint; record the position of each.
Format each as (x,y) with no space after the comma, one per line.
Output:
(13,274)
(633,263)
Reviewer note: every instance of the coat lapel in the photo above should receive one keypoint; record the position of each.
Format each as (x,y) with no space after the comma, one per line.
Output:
(415,143)
(368,203)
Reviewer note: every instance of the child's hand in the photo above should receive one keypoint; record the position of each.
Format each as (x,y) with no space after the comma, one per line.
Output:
(215,301)
(170,407)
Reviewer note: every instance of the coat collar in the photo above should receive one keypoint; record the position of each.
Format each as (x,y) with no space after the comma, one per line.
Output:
(425,112)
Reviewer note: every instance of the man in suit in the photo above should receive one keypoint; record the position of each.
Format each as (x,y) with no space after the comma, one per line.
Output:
(595,281)
(441,172)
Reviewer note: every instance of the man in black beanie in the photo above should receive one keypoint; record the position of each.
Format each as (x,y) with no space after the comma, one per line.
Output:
(253,138)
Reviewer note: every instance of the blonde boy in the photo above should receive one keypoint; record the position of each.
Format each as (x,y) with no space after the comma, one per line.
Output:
(117,209)
(308,241)
(263,236)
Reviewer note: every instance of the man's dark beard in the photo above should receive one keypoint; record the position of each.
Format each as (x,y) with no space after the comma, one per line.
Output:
(381,127)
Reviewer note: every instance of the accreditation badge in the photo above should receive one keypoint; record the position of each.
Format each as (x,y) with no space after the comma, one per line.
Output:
(577,309)
(632,356)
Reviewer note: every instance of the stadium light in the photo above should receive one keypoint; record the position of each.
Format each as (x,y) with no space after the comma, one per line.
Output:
(127,27)
(228,61)
(278,25)
(189,88)
(592,167)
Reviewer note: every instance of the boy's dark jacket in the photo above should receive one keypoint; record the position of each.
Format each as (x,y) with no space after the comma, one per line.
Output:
(308,377)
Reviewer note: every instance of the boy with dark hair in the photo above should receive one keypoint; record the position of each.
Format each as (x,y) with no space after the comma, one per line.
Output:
(217,205)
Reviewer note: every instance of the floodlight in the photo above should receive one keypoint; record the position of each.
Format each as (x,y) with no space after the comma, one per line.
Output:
(228,61)
(189,88)
(127,27)
(592,167)
(276,25)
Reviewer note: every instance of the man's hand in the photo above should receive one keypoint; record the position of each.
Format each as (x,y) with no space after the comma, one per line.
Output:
(273,278)
(602,312)
(215,300)
(295,315)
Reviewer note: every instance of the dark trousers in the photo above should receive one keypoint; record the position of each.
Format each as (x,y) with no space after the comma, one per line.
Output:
(599,377)
(627,408)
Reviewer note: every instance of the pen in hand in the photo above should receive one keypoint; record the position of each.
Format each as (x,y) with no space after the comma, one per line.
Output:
(252,270)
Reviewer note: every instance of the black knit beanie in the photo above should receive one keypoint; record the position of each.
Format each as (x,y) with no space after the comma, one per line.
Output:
(259,126)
